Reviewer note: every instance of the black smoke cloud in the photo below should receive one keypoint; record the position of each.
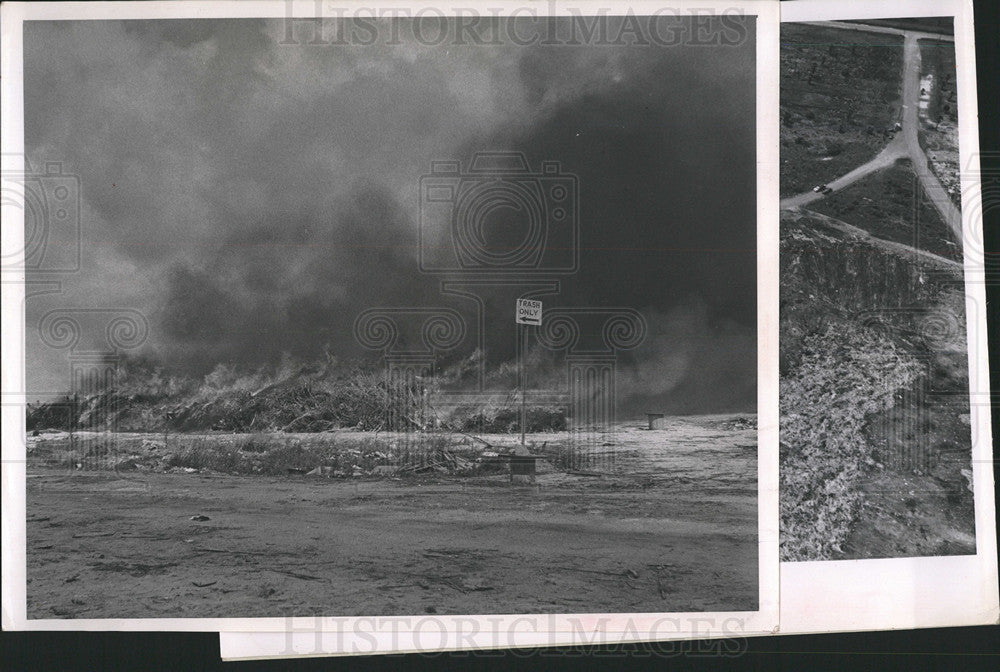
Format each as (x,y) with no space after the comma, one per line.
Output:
(252,198)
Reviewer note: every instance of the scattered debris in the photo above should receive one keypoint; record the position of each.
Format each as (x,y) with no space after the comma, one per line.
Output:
(87,535)
(204,585)
(580,472)
(200,518)
(743,422)
(475,583)
(136,569)
(589,571)
(128,464)
(297,575)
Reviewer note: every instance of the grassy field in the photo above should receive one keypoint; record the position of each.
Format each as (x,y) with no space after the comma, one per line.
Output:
(839,91)
(891,205)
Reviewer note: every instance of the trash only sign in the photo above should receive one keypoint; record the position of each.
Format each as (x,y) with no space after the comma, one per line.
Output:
(529,311)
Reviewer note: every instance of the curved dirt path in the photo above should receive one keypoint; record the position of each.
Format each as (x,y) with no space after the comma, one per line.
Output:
(906,143)
(890,153)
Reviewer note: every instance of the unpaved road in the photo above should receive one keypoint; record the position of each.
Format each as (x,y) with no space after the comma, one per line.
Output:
(676,531)
(928,259)
(906,143)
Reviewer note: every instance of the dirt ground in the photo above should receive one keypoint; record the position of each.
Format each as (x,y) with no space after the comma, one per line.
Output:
(911,515)
(672,528)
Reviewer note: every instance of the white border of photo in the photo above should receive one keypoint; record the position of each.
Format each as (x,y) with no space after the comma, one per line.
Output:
(425,633)
(917,592)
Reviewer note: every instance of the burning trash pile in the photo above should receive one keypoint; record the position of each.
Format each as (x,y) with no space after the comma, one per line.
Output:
(317,398)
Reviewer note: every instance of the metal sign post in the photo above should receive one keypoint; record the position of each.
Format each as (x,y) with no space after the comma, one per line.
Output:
(528,312)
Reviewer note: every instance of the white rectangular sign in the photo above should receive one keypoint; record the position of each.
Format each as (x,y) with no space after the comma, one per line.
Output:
(529,311)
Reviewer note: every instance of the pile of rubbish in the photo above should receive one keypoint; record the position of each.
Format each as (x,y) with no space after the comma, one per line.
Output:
(740,423)
(261,455)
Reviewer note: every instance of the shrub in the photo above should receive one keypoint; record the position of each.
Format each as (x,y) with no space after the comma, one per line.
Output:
(281,459)
(206,455)
(507,420)
(834,148)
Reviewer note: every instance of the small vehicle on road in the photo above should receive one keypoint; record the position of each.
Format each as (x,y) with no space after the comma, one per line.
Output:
(827,190)
(819,187)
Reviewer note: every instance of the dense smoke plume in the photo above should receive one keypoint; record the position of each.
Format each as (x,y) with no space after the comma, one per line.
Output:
(251,198)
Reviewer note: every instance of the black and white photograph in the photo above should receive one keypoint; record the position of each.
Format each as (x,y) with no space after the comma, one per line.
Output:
(362,316)
(876,436)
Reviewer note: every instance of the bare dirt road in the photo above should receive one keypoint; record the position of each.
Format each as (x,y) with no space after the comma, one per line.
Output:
(673,529)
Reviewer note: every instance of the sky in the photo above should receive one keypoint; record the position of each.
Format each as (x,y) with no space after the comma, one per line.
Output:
(250,198)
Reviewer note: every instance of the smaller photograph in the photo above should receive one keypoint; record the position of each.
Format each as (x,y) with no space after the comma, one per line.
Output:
(876,436)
